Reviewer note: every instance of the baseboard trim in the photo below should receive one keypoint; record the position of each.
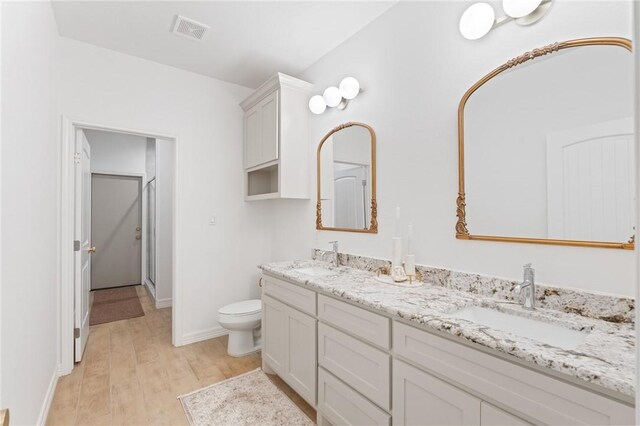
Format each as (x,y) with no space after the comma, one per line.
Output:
(199,336)
(48,398)
(163,303)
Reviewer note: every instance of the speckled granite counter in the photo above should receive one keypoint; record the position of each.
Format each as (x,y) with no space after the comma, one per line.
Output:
(607,358)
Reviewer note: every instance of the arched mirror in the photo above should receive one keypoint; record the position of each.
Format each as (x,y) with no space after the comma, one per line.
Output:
(346,186)
(546,151)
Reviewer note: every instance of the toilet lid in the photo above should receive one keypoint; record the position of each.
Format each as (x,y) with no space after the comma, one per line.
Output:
(245,307)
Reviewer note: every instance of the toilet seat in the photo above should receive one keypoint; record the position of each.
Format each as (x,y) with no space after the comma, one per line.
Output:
(244,308)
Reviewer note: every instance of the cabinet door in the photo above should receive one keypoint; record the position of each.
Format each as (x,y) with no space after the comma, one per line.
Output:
(493,416)
(274,334)
(269,129)
(252,134)
(301,361)
(421,399)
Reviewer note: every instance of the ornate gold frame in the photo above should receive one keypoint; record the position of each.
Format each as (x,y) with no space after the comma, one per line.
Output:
(373,226)
(462,231)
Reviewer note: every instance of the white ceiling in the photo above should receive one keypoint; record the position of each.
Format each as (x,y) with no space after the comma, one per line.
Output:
(248,42)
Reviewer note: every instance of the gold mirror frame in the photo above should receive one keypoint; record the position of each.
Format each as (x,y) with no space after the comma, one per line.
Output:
(373,225)
(462,231)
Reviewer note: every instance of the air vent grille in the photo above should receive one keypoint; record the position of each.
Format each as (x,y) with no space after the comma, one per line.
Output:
(189,28)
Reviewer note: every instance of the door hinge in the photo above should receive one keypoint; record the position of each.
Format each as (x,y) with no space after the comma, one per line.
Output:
(76,332)
(76,245)
(76,157)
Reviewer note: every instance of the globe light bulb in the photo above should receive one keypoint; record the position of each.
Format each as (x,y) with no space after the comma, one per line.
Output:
(477,21)
(332,96)
(520,8)
(317,105)
(349,88)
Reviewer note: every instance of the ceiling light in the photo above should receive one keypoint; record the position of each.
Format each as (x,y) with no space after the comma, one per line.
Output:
(317,105)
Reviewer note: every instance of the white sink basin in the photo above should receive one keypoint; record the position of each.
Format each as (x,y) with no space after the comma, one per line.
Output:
(315,271)
(543,332)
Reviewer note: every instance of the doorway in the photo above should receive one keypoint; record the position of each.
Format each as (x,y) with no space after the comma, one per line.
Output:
(109,201)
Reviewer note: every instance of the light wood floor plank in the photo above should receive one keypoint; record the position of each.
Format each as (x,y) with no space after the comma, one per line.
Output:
(131,374)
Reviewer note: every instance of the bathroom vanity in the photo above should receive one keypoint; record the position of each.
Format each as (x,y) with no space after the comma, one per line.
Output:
(367,353)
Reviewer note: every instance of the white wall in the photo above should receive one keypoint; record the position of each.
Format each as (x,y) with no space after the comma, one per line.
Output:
(29,212)
(214,265)
(414,67)
(117,152)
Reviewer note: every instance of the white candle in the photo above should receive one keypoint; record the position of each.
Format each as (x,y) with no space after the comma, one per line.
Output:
(396,252)
(409,238)
(410,265)
(397,221)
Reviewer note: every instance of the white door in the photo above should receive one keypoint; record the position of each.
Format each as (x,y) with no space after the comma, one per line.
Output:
(116,230)
(84,250)
(350,192)
(590,172)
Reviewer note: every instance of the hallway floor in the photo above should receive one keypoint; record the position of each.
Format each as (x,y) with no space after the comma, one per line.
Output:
(131,374)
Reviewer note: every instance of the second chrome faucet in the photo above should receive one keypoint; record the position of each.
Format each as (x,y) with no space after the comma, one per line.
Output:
(528,288)
(336,261)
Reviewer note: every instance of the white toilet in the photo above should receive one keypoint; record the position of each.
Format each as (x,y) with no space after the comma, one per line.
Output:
(242,319)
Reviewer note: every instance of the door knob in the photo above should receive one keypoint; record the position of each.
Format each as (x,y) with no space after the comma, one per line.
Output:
(91,249)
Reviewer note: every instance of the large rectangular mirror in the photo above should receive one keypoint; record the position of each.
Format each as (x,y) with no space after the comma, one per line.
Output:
(546,148)
(347,180)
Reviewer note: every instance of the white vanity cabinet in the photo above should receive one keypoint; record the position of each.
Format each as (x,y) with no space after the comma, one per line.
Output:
(289,338)
(276,139)
(375,369)
(526,391)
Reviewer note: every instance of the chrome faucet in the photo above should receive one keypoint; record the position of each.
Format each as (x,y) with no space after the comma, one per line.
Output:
(336,263)
(529,287)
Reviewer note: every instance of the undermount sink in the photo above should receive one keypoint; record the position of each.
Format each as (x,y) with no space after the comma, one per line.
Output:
(543,332)
(315,271)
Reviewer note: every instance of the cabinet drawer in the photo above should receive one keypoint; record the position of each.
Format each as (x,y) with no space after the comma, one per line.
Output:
(361,366)
(291,294)
(536,395)
(368,326)
(341,405)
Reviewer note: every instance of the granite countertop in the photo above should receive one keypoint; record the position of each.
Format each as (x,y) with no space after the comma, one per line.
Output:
(607,358)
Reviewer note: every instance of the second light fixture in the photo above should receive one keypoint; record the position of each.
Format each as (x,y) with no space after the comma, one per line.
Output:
(335,96)
(480,18)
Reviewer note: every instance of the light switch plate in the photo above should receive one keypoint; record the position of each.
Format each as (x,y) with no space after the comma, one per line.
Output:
(212,220)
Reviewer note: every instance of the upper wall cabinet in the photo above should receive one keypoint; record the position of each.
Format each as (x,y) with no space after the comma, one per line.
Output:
(275,139)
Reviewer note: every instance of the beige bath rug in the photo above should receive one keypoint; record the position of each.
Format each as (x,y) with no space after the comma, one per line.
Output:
(249,399)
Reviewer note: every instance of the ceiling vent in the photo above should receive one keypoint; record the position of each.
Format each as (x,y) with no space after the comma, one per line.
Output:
(189,28)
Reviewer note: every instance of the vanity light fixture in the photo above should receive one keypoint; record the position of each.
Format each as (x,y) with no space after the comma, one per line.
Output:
(479,18)
(335,96)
